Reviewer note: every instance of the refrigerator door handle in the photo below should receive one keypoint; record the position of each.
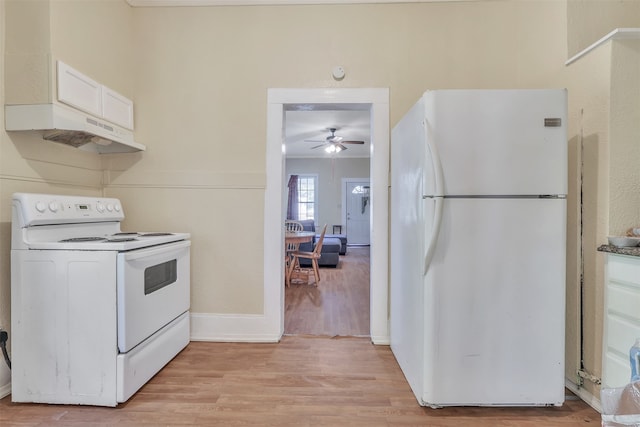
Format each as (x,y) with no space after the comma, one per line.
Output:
(435,231)
(438,175)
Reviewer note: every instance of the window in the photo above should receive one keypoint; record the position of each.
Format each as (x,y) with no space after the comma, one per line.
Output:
(307,196)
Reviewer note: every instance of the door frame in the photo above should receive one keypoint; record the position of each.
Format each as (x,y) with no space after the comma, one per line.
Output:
(376,100)
(345,182)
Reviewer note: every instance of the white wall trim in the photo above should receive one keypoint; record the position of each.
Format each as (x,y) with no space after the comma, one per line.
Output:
(58,182)
(5,390)
(179,3)
(277,101)
(583,394)
(618,33)
(179,179)
(232,328)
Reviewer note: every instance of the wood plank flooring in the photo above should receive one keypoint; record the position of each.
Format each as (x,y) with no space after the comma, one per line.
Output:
(301,381)
(339,305)
(314,377)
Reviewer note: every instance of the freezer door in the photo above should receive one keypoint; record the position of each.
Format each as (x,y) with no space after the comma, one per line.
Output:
(495,304)
(499,142)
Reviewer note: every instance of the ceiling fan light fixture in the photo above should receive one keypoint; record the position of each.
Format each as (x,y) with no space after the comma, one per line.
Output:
(333,144)
(333,148)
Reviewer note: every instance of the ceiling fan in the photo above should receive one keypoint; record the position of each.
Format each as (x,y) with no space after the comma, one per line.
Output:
(333,143)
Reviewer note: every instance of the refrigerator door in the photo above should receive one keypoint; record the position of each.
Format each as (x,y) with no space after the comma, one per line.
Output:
(494,304)
(499,142)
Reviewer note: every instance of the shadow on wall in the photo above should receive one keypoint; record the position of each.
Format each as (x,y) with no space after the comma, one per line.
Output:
(592,212)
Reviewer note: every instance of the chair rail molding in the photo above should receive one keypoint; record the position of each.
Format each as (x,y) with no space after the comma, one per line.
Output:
(186,3)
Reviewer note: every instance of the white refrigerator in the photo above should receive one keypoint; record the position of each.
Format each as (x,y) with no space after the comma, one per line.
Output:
(478,237)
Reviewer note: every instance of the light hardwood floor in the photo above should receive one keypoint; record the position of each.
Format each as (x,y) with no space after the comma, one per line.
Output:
(339,305)
(301,381)
(304,380)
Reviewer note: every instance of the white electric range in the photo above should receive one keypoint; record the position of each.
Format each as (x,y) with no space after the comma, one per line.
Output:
(95,312)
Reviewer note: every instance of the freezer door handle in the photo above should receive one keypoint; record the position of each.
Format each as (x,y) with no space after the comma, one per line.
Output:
(438,175)
(434,158)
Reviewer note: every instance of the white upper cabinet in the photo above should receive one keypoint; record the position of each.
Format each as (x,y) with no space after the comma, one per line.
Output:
(116,108)
(79,91)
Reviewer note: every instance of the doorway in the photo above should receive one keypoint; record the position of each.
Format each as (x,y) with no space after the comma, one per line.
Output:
(279,101)
(356,210)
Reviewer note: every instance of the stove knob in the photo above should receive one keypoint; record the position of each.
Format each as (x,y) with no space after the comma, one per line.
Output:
(117,208)
(110,207)
(100,207)
(53,206)
(41,207)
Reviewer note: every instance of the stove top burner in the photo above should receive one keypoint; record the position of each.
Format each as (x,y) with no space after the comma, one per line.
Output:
(83,239)
(118,237)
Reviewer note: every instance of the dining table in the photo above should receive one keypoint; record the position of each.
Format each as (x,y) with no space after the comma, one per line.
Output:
(294,237)
(298,236)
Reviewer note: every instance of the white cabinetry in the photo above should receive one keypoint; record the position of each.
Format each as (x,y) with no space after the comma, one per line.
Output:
(116,108)
(78,90)
(622,317)
(82,92)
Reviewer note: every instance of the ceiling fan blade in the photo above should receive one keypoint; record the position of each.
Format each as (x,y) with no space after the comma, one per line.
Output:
(352,142)
(318,146)
(342,147)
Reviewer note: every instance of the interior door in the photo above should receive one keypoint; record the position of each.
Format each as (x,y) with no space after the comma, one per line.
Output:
(358,212)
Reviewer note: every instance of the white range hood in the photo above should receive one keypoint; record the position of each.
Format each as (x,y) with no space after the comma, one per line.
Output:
(72,127)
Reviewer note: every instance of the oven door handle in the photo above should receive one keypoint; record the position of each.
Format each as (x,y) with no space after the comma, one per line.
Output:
(156,250)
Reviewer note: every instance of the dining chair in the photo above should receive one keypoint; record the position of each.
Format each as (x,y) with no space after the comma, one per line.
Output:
(291,225)
(313,256)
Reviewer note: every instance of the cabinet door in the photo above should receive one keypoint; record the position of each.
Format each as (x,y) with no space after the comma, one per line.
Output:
(78,90)
(116,108)
(622,318)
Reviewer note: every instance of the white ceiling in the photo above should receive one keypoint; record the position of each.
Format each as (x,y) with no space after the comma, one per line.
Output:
(312,122)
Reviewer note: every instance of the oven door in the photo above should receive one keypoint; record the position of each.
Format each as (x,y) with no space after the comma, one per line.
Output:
(153,286)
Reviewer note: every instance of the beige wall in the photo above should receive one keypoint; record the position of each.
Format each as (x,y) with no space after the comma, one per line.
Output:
(604,103)
(624,183)
(202,75)
(330,174)
(199,77)
(588,147)
(589,20)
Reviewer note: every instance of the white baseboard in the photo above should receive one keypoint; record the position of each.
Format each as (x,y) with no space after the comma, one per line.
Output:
(5,379)
(5,390)
(381,340)
(233,328)
(583,394)
(244,328)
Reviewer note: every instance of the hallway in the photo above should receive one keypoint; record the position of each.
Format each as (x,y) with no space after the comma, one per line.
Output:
(339,306)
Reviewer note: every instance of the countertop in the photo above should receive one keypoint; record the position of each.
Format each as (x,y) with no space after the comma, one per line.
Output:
(632,251)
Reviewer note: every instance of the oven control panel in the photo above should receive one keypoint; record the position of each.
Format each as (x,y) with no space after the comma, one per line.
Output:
(40,209)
